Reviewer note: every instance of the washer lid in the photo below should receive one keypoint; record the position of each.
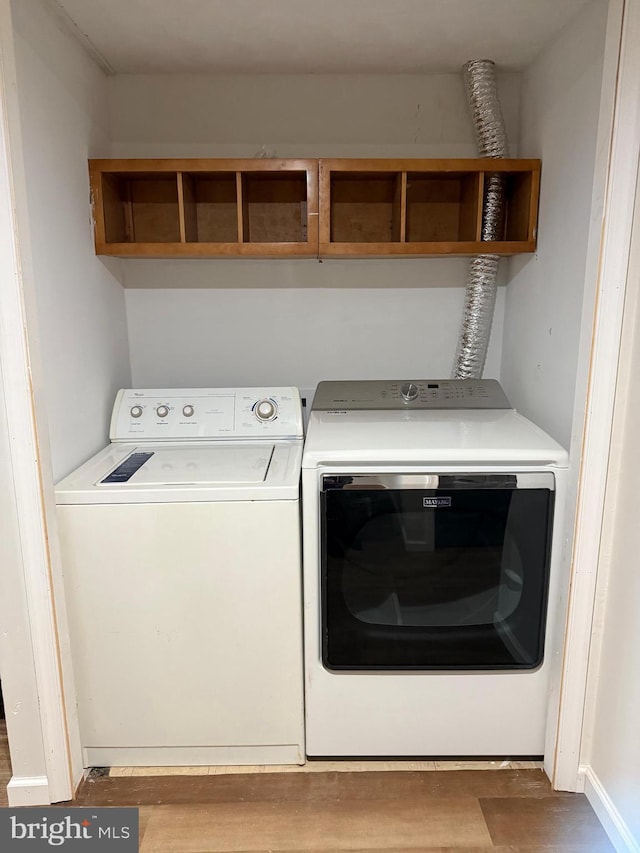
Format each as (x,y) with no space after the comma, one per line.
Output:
(167,473)
(191,465)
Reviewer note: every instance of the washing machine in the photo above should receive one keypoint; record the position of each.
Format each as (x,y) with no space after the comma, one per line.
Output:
(182,574)
(432,516)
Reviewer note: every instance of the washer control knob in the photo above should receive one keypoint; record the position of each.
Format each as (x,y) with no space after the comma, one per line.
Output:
(266,410)
(162,411)
(188,411)
(409,391)
(136,411)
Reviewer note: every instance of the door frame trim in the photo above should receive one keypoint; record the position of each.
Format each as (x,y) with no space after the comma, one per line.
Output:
(42,726)
(610,249)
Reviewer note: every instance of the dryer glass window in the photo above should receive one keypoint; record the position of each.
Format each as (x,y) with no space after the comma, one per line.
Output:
(450,575)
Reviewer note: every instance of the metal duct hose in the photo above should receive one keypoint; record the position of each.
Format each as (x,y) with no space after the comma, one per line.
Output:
(491,141)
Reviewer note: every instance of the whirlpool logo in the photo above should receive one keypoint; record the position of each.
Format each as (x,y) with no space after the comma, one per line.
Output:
(436,503)
(69,829)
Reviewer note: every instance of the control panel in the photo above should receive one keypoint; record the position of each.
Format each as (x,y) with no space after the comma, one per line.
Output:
(206,414)
(410,394)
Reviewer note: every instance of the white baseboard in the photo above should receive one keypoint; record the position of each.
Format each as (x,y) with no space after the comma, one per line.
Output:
(608,814)
(28,791)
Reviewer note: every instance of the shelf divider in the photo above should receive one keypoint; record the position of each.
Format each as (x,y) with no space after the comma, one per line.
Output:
(402,237)
(241,206)
(182,213)
(129,227)
(480,206)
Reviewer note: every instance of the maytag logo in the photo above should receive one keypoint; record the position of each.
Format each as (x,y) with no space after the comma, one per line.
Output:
(435,503)
(34,829)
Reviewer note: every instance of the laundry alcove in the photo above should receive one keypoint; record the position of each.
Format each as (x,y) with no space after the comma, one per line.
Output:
(105,323)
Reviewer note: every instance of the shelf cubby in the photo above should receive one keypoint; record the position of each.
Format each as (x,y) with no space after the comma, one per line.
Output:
(365,208)
(274,207)
(521,201)
(210,202)
(141,208)
(443,208)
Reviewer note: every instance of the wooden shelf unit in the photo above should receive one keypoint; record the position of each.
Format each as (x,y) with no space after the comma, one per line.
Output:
(423,207)
(313,208)
(205,208)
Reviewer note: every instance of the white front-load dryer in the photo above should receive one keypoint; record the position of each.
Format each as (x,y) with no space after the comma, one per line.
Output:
(182,574)
(432,533)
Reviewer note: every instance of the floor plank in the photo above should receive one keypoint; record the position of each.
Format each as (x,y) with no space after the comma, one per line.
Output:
(320,765)
(571,848)
(5,763)
(464,811)
(553,821)
(312,787)
(312,826)
(144,815)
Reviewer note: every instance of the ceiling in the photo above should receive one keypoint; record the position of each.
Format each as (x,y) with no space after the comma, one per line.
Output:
(313,36)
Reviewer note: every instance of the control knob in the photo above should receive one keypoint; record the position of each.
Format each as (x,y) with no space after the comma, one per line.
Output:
(187,411)
(162,411)
(409,391)
(135,411)
(266,410)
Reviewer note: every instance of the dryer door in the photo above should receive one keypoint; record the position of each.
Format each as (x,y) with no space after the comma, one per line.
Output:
(433,571)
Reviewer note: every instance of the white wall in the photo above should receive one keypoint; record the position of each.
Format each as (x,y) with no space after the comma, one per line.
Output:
(80,301)
(297,321)
(560,109)
(350,319)
(615,749)
(611,746)
(314,115)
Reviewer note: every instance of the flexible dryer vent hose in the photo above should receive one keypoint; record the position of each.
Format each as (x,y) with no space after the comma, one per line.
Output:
(480,296)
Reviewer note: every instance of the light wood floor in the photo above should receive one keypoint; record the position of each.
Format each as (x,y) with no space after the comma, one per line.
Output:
(507,809)
(5,763)
(323,766)
(457,811)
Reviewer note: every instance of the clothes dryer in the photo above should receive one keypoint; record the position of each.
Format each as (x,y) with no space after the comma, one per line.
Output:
(432,532)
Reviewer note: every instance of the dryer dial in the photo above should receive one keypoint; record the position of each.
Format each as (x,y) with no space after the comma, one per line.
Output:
(162,411)
(409,391)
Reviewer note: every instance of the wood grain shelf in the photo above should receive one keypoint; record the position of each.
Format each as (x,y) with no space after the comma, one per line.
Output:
(423,207)
(308,208)
(205,208)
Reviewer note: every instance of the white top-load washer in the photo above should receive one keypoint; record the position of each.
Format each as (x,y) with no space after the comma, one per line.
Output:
(181,557)
(432,534)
